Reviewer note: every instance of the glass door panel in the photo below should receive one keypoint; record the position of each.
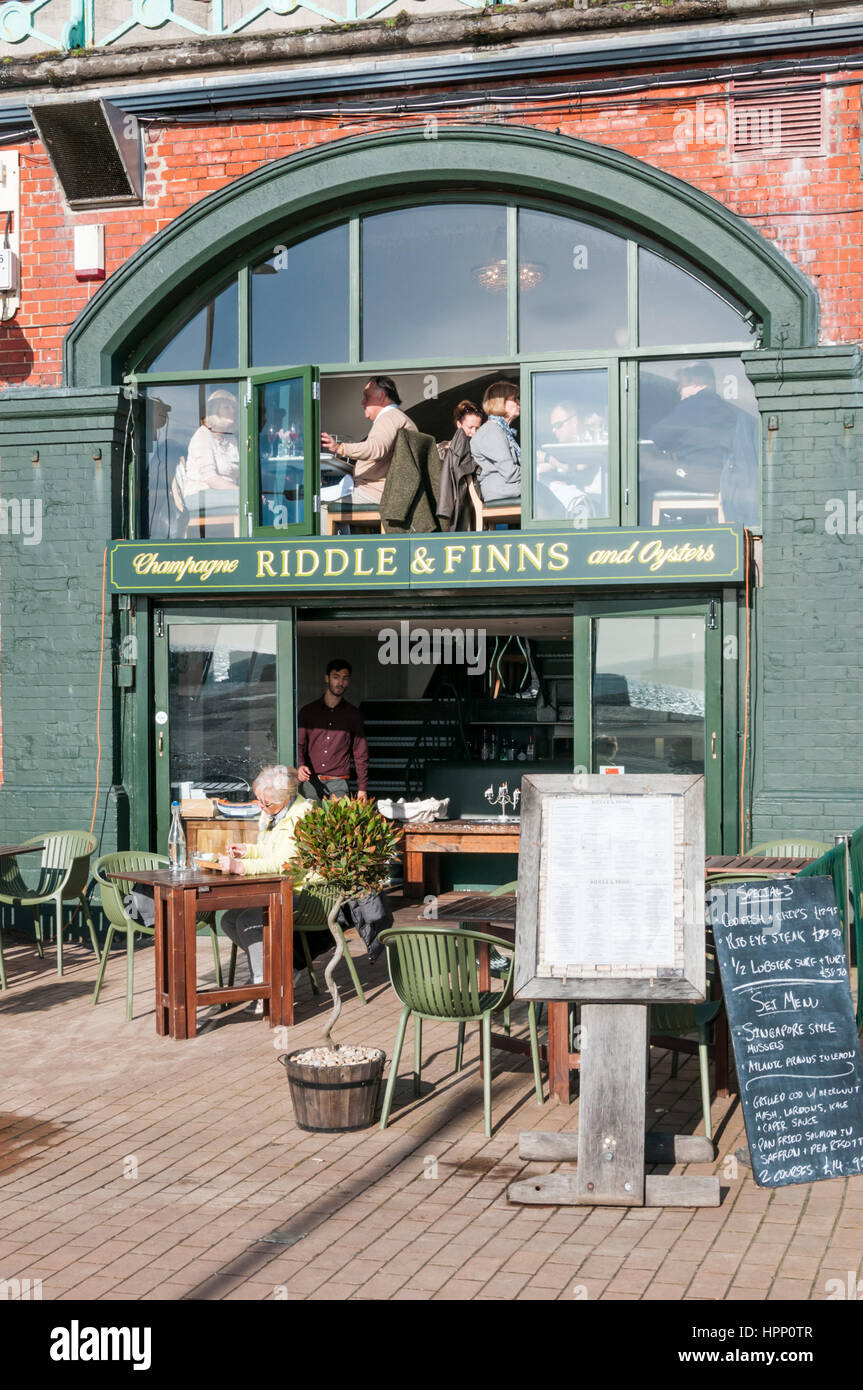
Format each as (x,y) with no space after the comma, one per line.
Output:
(284,440)
(648,694)
(192,466)
(572,447)
(224,704)
(221,704)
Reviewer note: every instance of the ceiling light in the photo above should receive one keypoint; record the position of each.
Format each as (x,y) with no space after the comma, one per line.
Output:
(493,275)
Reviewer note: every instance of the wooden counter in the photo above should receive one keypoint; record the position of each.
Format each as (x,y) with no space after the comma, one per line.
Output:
(212,835)
(424,842)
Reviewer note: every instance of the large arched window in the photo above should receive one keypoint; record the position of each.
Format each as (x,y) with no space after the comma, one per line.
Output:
(635,405)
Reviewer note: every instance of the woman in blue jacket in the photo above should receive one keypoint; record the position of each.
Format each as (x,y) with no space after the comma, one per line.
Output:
(495,447)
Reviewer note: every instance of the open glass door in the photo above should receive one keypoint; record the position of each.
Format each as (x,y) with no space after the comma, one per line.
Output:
(571,445)
(651,695)
(223,702)
(284,446)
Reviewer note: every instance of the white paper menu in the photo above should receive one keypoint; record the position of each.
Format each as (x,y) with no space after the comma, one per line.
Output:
(608,876)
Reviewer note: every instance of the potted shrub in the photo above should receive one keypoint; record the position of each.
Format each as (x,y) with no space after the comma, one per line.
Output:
(345,847)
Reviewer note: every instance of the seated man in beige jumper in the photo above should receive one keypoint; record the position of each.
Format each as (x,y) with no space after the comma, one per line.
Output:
(373,455)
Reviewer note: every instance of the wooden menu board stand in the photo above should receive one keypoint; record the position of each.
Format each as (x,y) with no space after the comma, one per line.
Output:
(589,856)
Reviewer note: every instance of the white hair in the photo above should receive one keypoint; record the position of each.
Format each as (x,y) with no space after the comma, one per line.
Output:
(282,781)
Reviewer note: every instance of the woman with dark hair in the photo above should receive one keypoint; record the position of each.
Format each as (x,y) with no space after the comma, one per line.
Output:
(457,466)
(494,446)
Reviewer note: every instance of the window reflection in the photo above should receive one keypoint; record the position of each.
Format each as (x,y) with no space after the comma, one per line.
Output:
(698,443)
(570,433)
(282,453)
(192,461)
(222,703)
(207,342)
(425,290)
(648,694)
(675,307)
(572,285)
(300,302)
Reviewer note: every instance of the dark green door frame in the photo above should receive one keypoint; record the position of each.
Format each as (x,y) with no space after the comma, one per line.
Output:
(309,377)
(712,607)
(164,618)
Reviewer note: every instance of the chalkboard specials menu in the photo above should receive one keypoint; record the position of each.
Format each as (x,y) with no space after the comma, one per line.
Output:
(780,950)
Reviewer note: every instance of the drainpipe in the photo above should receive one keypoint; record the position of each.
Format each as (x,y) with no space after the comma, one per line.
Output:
(849,895)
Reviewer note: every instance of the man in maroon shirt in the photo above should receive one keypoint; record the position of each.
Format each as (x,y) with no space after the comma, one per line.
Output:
(329,732)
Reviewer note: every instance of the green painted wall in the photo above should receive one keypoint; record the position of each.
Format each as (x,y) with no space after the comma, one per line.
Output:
(50,607)
(808,709)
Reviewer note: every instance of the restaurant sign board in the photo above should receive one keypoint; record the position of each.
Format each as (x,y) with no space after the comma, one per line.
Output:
(610,913)
(439,561)
(780,947)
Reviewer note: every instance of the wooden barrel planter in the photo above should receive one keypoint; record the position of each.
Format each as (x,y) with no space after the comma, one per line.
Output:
(334,1099)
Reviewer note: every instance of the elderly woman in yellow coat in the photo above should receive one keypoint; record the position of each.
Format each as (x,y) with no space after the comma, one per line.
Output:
(275,790)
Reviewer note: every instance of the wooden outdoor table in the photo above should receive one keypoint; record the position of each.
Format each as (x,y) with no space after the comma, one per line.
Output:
(180,898)
(728,864)
(496,915)
(10,851)
(425,842)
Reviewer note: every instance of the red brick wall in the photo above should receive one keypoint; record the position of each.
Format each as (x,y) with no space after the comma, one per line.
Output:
(797,203)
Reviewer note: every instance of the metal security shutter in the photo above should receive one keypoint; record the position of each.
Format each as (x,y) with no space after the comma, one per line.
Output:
(777,119)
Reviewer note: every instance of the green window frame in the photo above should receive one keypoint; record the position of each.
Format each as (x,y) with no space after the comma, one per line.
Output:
(172,617)
(622,363)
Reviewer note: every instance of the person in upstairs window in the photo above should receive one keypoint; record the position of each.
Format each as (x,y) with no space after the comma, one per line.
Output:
(213,456)
(373,455)
(457,466)
(573,474)
(713,443)
(495,447)
(331,733)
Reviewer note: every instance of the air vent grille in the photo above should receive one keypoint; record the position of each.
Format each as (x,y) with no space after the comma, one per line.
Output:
(773,120)
(95,150)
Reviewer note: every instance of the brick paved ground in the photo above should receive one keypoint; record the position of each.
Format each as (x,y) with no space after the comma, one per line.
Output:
(134,1167)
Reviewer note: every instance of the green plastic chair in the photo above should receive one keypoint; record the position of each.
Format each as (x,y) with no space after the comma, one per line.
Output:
(675,1020)
(434,973)
(311,910)
(791,849)
(63,875)
(113,891)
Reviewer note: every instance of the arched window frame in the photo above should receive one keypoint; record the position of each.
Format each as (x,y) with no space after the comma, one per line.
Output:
(241,269)
(620,361)
(312,187)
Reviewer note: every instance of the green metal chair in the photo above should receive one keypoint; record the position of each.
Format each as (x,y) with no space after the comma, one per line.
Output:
(796,848)
(675,1020)
(434,973)
(63,875)
(113,891)
(311,909)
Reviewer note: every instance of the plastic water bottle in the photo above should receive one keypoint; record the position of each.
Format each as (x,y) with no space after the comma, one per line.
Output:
(176,840)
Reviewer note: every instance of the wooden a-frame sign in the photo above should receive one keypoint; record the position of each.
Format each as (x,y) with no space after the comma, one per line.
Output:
(611,914)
